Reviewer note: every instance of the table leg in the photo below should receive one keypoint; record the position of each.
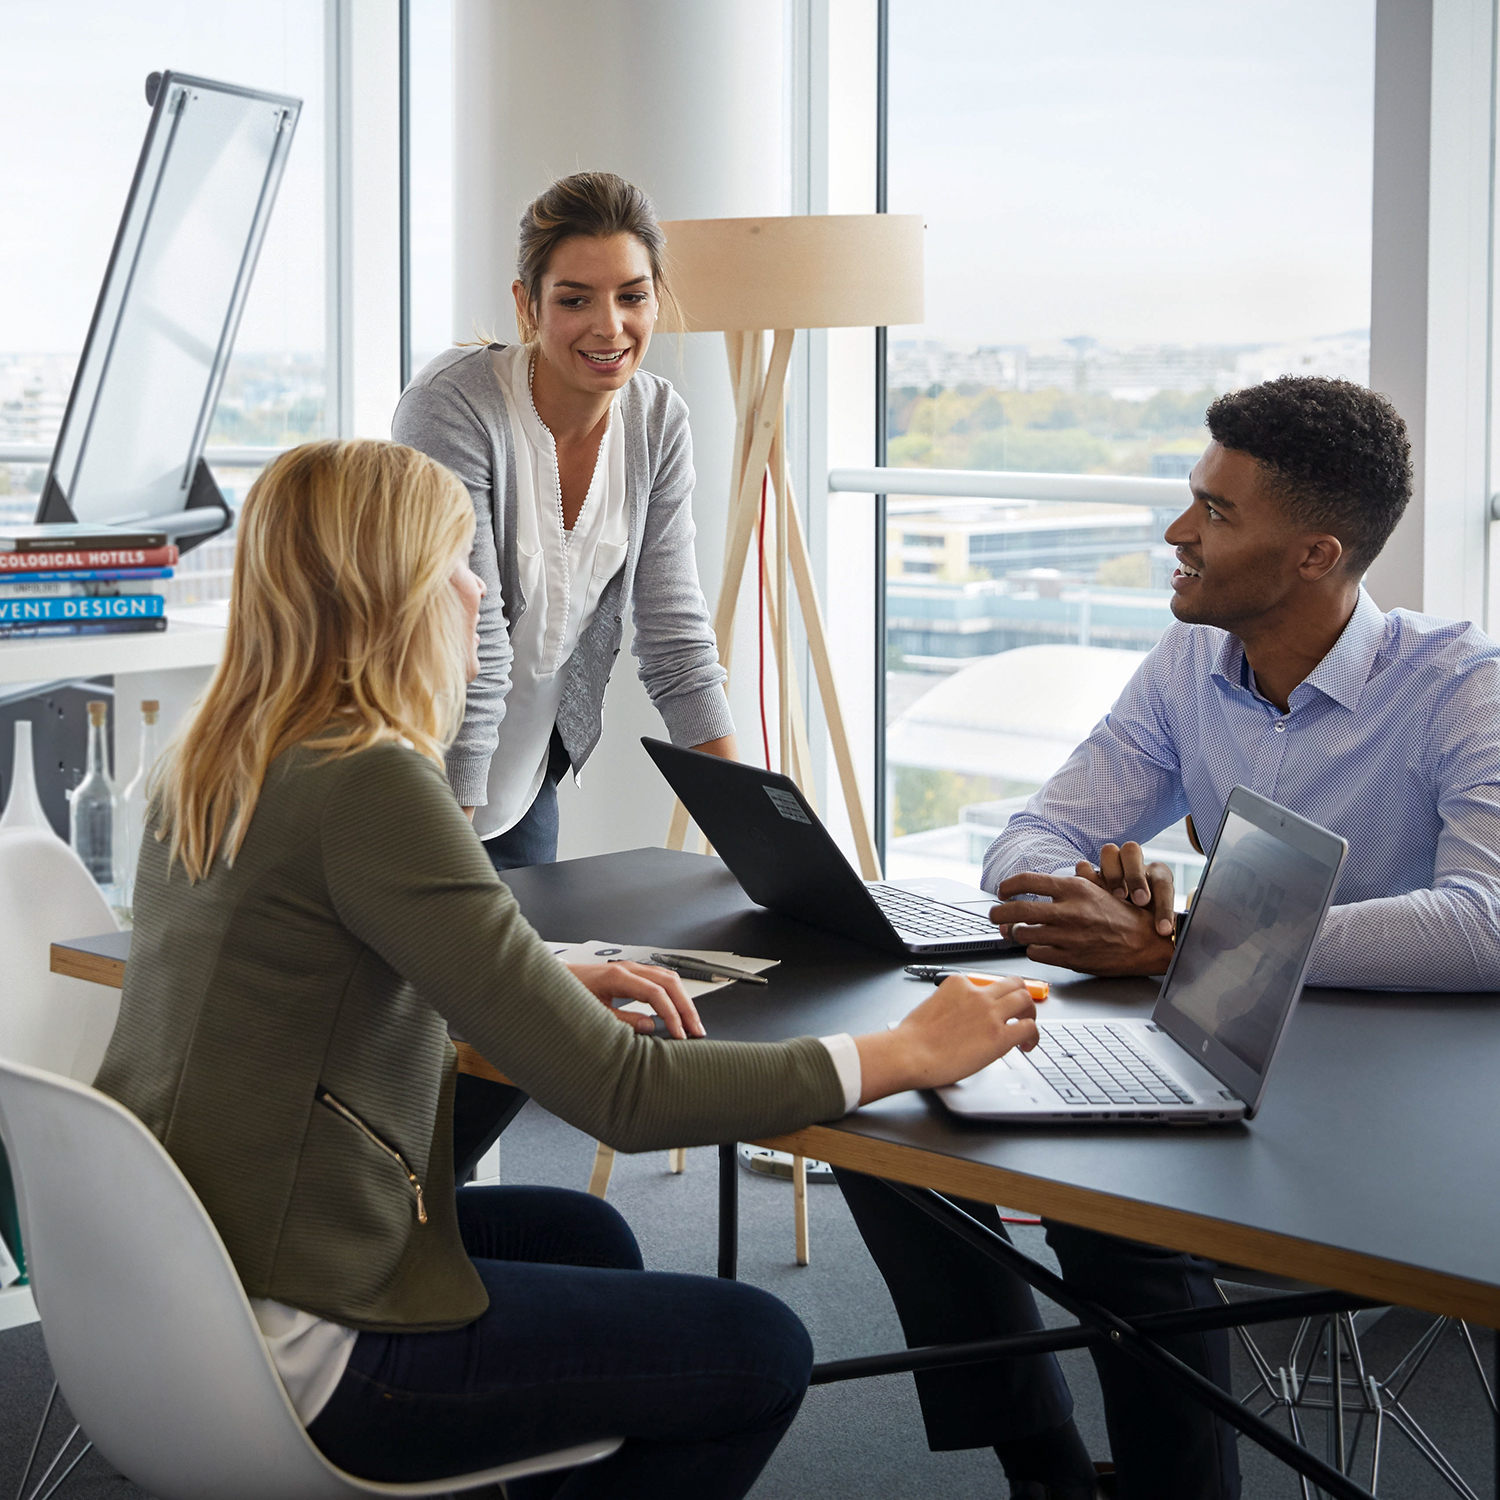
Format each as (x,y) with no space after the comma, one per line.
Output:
(1130,1341)
(729,1211)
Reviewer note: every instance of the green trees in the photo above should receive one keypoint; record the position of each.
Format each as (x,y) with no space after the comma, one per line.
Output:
(1042,431)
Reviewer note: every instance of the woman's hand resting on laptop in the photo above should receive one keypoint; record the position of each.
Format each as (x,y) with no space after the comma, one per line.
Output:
(957,1030)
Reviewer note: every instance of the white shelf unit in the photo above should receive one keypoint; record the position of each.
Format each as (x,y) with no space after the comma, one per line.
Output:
(17,1307)
(172,665)
(193,638)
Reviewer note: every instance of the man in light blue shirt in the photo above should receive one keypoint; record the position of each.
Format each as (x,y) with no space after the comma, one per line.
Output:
(1282,674)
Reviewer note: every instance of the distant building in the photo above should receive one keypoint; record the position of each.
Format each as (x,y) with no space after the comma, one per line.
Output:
(961,541)
(1133,372)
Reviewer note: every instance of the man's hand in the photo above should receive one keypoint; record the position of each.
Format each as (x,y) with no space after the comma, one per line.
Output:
(1123,872)
(661,989)
(1082,926)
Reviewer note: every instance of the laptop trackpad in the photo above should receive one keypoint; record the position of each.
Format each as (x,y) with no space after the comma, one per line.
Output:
(950,892)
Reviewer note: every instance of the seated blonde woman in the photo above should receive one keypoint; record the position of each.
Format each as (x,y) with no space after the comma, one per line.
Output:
(313,912)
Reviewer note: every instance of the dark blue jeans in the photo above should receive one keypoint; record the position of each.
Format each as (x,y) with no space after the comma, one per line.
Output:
(701,1377)
(533,841)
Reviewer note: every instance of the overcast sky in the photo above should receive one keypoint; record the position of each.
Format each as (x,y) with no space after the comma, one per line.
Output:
(77,114)
(1182,170)
(1156,170)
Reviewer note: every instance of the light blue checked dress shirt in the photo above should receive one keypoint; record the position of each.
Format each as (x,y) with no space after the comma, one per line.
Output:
(1393,742)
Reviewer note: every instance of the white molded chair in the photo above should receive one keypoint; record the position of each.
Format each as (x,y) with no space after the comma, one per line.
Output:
(50,1020)
(148,1329)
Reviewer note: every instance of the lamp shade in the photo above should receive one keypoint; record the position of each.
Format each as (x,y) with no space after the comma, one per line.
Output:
(801,271)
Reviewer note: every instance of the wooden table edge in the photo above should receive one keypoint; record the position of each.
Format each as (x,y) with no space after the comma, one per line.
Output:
(96,968)
(1239,1245)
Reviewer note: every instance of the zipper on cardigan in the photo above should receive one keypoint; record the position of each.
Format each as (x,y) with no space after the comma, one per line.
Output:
(339,1108)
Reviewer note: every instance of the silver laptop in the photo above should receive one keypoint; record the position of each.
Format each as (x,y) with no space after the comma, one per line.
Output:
(761,826)
(1205,1054)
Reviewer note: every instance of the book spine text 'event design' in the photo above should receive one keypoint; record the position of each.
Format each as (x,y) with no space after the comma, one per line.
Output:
(118,607)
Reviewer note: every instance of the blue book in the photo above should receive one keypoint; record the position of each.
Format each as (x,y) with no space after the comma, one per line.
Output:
(13,591)
(29,610)
(83,627)
(83,575)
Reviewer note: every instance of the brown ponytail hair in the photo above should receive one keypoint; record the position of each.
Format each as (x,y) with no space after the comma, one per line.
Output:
(594,204)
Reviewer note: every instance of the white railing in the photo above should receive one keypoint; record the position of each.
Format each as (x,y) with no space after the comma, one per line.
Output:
(218,457)
(981,484)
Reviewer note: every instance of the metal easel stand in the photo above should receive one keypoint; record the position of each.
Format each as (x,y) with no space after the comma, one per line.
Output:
(1134,1339)
(38,1493)
(1332,1340)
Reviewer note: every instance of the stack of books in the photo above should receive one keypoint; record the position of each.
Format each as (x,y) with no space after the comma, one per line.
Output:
(82,580)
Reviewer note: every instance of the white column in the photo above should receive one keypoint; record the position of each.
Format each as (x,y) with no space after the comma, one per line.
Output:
(364,207)
(1431,276)
(687,100)
(848,521)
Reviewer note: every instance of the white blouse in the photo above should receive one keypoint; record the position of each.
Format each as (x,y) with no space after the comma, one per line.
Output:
(562,575)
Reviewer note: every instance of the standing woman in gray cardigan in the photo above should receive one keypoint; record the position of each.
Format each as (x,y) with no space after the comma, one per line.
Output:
(580,467)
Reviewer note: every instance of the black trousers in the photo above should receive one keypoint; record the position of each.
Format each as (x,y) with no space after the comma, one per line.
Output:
(482,1108)
(1165,1445)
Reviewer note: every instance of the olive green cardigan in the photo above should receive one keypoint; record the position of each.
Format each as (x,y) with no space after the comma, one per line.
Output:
(283,1032)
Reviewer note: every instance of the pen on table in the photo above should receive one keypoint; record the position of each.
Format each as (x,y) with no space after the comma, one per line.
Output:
(1038,989)
(700,968)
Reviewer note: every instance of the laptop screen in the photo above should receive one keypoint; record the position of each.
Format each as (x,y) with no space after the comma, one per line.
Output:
(1239,964)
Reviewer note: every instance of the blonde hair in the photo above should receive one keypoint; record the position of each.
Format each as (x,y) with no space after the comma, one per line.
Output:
(343,633)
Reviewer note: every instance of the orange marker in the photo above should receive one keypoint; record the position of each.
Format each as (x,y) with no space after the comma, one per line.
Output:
(1038,989)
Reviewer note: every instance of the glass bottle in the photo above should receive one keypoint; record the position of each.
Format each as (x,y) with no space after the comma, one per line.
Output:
(94,814)
(23,808)
(133,802)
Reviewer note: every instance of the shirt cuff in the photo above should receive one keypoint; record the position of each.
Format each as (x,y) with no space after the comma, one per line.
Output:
(845,1057)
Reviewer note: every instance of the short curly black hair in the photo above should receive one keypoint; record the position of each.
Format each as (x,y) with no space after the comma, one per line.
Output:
(1337,454)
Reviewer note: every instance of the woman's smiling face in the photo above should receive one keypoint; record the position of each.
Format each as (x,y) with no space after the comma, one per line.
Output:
(595,311)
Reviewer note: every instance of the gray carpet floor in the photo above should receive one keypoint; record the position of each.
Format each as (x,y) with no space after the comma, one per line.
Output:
(862,1440)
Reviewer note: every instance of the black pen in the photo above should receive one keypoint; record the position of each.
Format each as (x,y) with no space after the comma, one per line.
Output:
(700,968)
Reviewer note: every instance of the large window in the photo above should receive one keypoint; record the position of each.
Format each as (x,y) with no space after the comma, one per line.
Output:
(1130,209)
(76,99)
(431,191)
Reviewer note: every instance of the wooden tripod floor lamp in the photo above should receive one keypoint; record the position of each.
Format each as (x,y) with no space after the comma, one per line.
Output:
(744,278)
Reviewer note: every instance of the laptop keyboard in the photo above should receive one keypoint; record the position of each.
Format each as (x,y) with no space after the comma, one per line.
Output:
(908,912)
(1098,1063)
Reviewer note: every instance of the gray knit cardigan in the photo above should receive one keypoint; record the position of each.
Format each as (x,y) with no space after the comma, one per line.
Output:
(454,411)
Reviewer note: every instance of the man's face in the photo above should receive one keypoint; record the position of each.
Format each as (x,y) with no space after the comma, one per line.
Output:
(1238,554)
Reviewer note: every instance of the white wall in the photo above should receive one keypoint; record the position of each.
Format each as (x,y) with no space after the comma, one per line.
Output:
(688,100)
(1430,291)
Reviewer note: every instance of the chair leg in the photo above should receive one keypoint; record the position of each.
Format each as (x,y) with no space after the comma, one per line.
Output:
(677,1159)
(36,1442)
(604,1164)
(799,1207)
(37,1493)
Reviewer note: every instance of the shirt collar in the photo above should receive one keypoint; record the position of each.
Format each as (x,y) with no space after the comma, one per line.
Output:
(1341,675)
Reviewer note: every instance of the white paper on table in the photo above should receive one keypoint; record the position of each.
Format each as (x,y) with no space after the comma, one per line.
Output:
(600,951)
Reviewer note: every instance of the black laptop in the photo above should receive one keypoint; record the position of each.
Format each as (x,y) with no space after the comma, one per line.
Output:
(775,846)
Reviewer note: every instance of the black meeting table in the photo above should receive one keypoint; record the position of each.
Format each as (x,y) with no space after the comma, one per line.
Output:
(1372,1169)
